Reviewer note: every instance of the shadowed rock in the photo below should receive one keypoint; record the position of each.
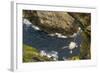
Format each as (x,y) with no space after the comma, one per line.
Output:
(84,21)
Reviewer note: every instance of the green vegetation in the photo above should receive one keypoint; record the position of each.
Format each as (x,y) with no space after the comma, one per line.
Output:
(85,48)
(31,54)
(75,58)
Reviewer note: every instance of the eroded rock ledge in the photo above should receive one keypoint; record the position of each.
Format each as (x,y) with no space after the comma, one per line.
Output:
(52,21)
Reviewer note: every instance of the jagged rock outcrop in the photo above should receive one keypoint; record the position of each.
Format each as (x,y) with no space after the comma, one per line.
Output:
(52,22)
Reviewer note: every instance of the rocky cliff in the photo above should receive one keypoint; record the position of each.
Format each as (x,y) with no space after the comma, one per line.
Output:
(52,21)
(84,21)
(65,23)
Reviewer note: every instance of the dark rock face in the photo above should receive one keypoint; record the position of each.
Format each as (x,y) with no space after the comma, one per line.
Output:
(85,20)
(52,21)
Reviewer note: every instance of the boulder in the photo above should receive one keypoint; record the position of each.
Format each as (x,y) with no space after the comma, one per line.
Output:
(52,21)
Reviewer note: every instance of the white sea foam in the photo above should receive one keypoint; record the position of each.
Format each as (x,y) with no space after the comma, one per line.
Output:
(27,22)
(49,55)
(58,35)
(72,45)
(64,47)
(43,53)
(74,35)
(52,54)
(35,27)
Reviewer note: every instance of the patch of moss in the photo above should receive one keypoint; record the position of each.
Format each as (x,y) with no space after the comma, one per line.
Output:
(75,58)
(85,51)
(31,54)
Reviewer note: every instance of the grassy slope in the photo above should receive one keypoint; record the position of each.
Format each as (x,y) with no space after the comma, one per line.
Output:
(31,54)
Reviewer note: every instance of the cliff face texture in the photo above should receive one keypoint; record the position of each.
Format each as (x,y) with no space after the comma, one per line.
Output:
(66,23)
(84,22)
(84,19)
(51,22)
